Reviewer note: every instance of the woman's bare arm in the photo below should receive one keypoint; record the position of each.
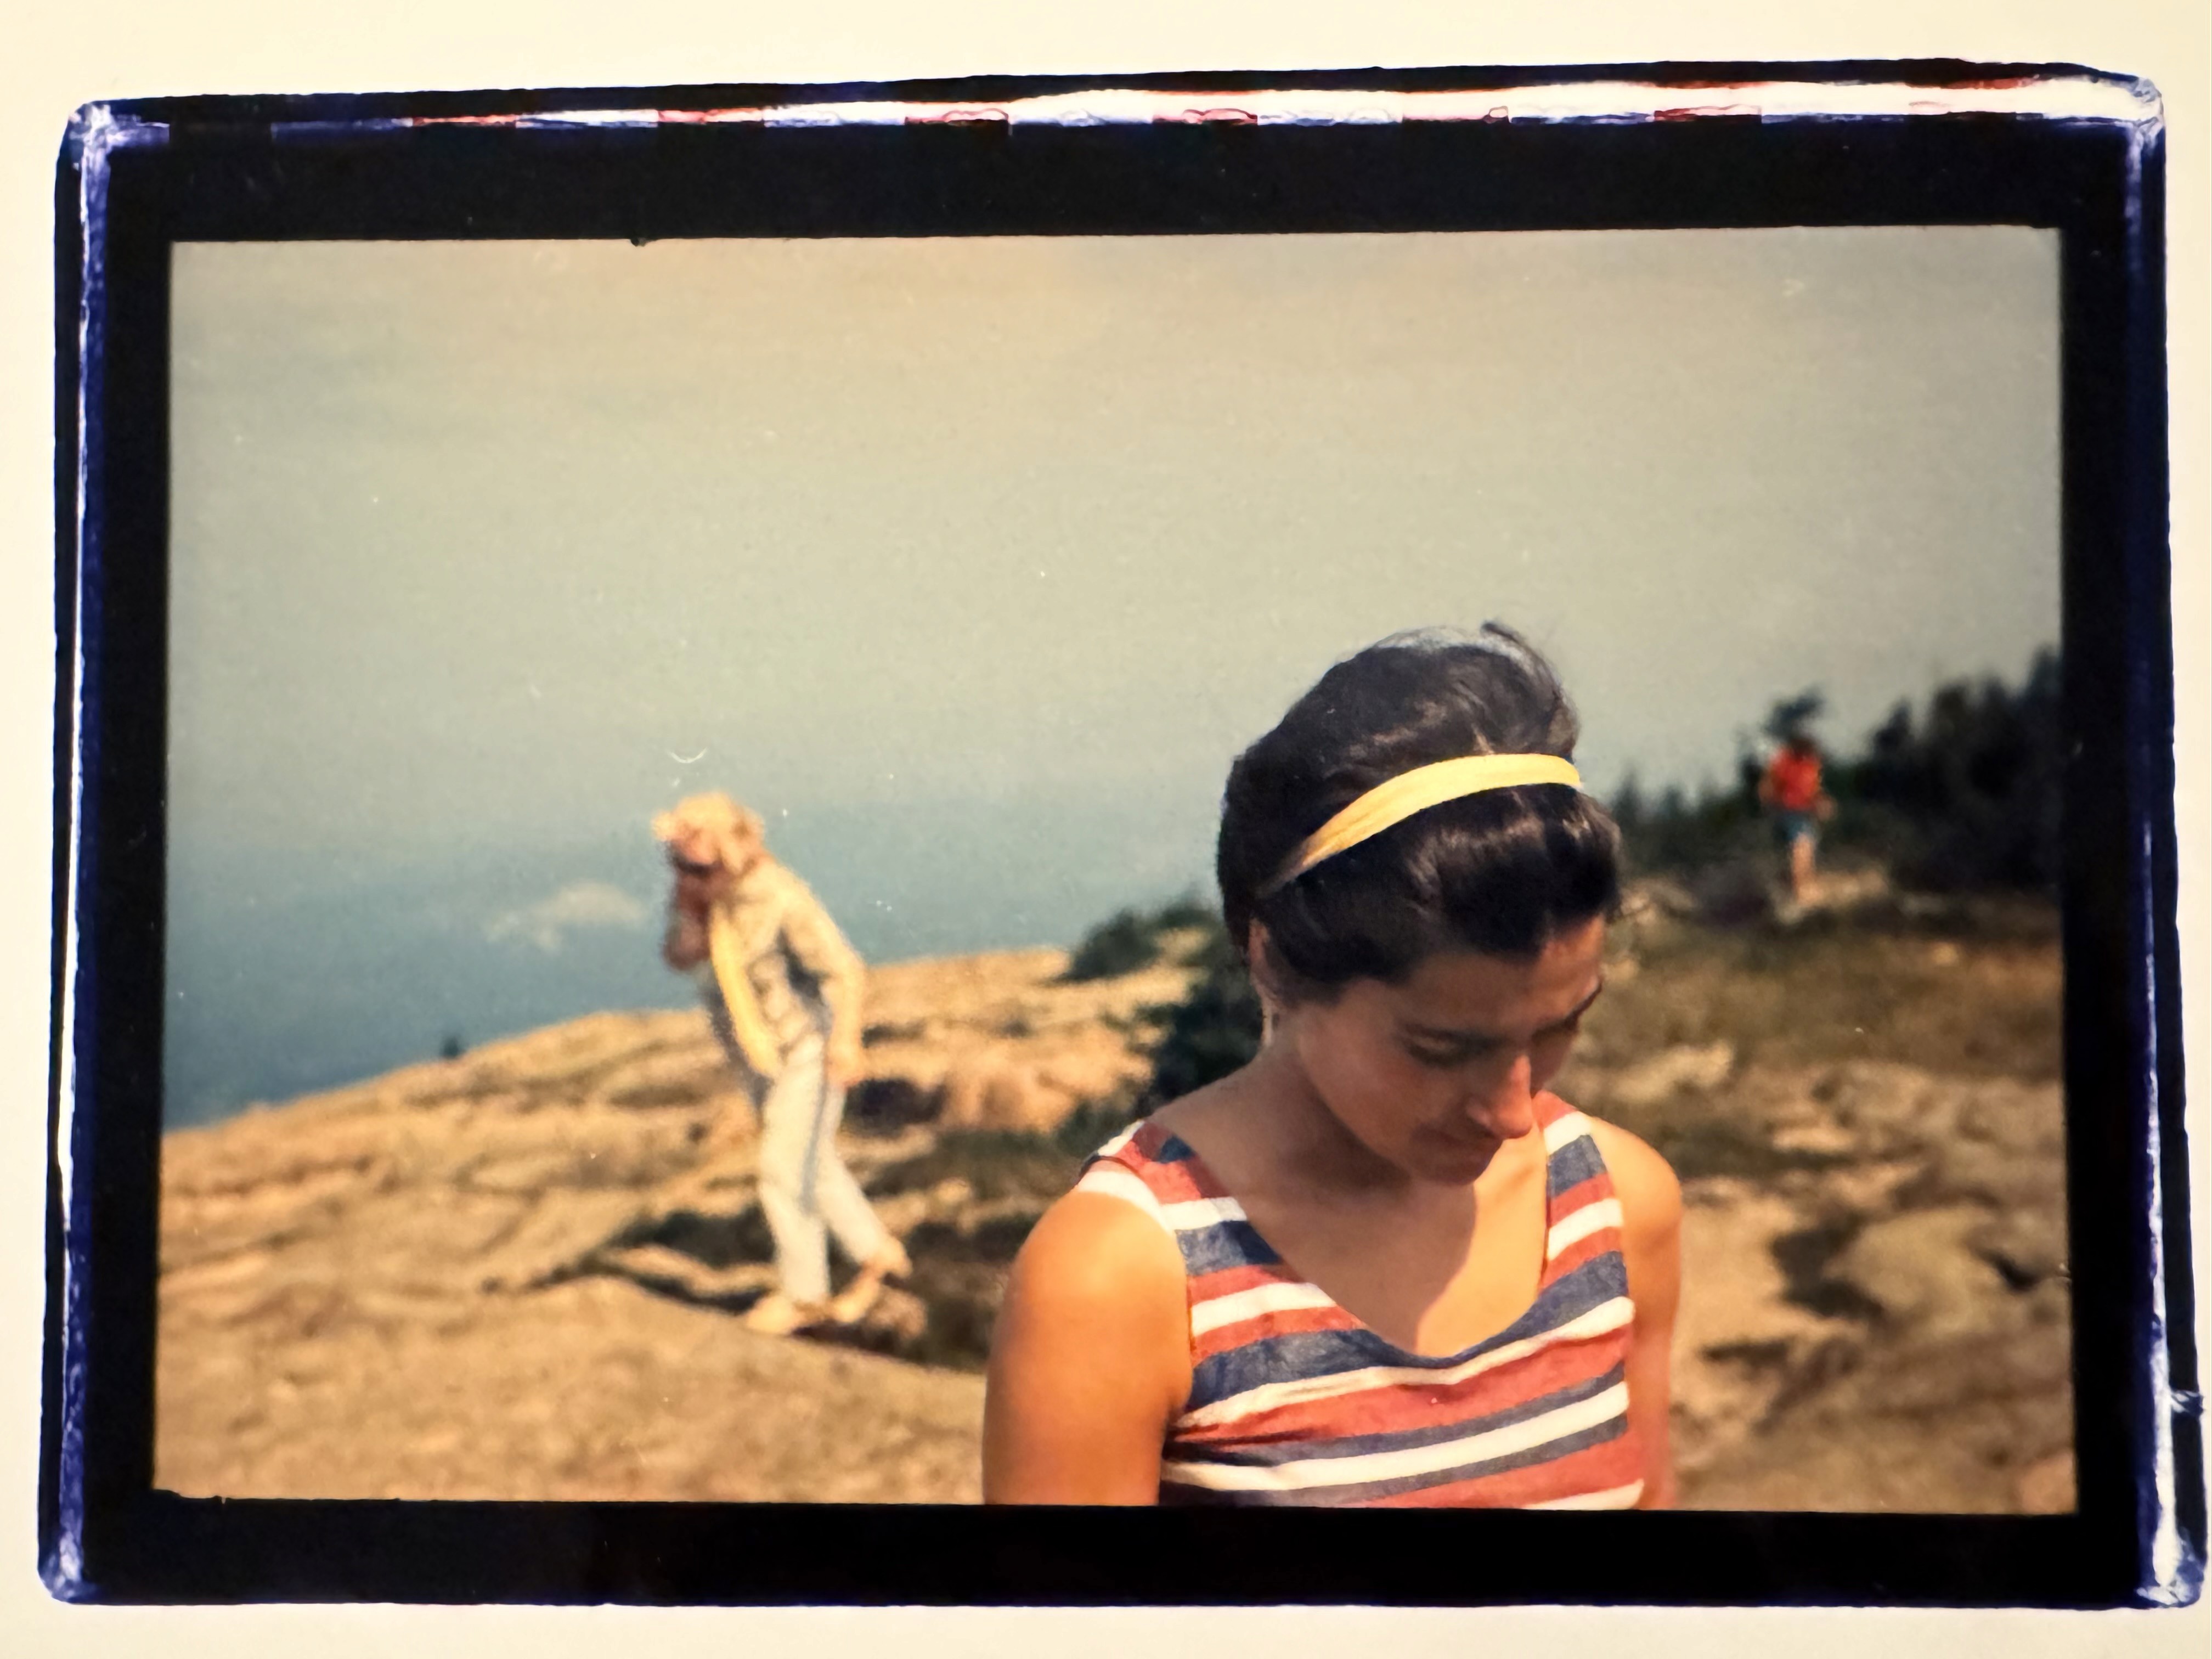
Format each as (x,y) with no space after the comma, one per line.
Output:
(1652,1237)
(683,946)
(1091,1358)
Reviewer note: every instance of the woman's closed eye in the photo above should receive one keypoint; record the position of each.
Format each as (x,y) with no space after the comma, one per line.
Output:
(1444,1055)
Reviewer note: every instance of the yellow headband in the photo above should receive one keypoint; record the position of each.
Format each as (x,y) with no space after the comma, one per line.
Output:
(1398,799)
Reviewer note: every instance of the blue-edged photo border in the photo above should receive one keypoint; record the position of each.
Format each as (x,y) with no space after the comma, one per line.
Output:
(135,179)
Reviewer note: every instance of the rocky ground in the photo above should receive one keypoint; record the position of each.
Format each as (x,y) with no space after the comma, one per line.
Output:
(512,1274)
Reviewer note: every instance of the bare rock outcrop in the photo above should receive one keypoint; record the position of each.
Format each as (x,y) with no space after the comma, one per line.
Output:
(508,1274)
(511,1274)
(1877,1314)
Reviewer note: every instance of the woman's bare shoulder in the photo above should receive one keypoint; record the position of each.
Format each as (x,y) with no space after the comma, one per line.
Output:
(1651,1196)
(1090,1358)
(1093,1336)
(1095,1242)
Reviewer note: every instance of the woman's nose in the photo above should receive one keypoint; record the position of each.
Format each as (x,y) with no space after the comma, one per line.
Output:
(1505,1106)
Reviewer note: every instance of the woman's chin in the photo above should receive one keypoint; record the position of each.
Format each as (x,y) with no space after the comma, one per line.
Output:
(1435,1155)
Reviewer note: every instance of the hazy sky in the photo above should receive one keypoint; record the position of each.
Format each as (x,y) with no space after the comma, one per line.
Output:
(505,543)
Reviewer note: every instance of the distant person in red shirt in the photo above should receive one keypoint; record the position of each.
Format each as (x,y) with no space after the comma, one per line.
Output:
(1791,790)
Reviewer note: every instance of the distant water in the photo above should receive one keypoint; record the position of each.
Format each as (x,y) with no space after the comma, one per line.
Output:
(296,969)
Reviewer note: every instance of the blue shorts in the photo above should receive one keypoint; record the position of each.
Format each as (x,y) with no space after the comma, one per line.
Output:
(1794,827)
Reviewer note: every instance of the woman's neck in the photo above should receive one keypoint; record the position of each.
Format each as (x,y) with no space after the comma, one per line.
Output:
(1306,1141)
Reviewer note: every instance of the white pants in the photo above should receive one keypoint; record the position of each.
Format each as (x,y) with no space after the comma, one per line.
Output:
(806,1193)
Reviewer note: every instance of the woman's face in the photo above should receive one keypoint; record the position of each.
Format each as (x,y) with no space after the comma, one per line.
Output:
(695,846)
(703,851)
(1435,1075)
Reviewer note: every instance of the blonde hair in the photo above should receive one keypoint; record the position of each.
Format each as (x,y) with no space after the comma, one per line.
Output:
(735,833)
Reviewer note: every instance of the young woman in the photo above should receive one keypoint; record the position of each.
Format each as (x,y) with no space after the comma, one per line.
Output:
(1379,1265)
(783,989)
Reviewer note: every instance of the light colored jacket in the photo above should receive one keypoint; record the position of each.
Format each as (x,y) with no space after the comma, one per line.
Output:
(783,970)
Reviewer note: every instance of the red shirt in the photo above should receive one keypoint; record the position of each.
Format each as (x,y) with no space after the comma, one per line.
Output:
(1793,781)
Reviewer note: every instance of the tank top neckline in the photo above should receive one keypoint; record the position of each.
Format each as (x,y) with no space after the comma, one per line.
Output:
(1211,1184)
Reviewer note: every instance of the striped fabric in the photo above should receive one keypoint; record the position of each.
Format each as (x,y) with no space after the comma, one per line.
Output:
(1292,1401)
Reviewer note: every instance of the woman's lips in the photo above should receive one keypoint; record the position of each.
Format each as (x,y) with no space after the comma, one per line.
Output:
(1467,1146)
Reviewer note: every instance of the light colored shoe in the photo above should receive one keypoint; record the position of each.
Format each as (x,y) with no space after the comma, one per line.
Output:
(777,1315)
(853,1303)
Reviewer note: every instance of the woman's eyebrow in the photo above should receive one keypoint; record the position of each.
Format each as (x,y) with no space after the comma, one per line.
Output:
(1583,1006)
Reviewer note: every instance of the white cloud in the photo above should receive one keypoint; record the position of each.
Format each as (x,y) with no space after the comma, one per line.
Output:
(583,904)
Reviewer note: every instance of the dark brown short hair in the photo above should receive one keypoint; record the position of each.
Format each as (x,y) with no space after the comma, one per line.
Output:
(1502,871)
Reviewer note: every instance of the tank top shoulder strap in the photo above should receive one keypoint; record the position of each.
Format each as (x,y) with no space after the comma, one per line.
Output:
(1149,1166)
(1118,1169)
(1146,1166)
(1571,1151)
(1582,1209)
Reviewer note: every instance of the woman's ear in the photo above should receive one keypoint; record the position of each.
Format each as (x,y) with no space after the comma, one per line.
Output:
(1260,961)
(1261,964)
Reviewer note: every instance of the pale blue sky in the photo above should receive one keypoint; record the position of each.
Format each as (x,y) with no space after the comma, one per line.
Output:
(473,539)
(971,563)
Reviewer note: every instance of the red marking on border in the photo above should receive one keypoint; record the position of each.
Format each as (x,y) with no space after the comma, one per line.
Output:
(696,117)
(1198,118)
(1699,111)
(960,118)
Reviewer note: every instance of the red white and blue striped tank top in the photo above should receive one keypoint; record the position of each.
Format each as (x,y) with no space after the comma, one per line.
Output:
(1292,1401)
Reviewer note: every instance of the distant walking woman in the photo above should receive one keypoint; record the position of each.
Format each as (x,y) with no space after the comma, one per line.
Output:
(1381,1264)
(783,989)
